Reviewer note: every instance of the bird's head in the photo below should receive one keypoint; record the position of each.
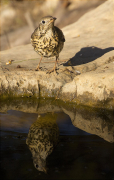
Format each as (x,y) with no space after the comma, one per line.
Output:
(40,164)
(46,23)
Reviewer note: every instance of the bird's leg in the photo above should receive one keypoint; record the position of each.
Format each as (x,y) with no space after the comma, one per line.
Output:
(55,64)
(38,67)
(54,68)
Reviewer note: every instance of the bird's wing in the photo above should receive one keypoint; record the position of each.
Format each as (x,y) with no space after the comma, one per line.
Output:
(60,34)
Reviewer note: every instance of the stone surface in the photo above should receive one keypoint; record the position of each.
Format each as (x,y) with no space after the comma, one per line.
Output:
(85,71)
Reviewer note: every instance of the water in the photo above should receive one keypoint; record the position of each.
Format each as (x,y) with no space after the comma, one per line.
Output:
(48,139)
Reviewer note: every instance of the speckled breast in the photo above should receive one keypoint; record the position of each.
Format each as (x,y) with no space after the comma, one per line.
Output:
(48,47)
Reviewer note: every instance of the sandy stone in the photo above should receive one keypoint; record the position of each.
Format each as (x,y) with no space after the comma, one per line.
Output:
(85,71)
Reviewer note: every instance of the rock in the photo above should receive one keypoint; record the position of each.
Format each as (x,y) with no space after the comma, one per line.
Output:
(85,73)
(91,86)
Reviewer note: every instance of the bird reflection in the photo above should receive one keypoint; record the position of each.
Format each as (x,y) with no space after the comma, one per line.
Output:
(42,138)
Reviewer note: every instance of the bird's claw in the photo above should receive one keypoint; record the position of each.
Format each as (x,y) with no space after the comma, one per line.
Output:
(38,69)
(52,70)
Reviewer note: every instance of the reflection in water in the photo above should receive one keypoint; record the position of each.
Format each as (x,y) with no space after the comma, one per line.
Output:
(77,155)
(42,138)
(93,123)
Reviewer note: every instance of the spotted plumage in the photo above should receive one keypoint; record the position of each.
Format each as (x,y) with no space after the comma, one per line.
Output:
(47,39)
(42,138)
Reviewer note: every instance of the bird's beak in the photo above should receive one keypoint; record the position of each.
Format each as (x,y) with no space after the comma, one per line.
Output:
(45,170)
(53,19)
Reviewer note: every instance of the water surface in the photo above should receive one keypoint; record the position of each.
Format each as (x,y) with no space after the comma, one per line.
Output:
(48,139)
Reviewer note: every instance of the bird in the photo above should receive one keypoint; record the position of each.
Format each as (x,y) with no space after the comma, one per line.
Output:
(47,40)
(42,138)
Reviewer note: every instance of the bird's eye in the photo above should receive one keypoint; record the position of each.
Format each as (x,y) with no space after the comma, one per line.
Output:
(36,165)
(43,22)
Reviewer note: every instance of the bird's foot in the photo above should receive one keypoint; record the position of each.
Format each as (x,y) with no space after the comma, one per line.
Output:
(52,70)
(38,69)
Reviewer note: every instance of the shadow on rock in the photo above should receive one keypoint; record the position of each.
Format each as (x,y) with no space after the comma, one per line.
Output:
(86,55)
(42,138)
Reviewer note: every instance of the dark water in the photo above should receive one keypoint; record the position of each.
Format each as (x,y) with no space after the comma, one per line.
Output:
(51,140)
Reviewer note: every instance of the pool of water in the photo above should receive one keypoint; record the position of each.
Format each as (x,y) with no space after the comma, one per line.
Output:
(53,140)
